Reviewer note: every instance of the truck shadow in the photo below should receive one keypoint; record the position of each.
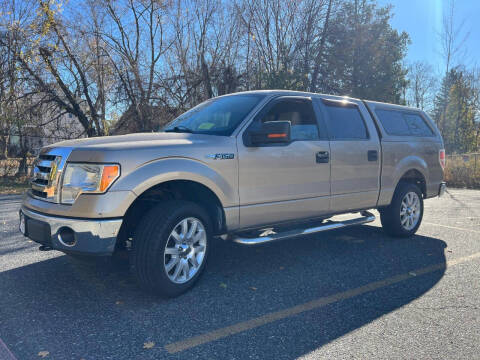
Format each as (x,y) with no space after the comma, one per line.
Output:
(95,310)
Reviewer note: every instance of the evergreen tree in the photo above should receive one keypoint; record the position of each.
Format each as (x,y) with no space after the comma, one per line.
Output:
(455,111)
(365,53)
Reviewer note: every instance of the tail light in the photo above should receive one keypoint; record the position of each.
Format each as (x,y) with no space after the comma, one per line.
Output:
(441,158)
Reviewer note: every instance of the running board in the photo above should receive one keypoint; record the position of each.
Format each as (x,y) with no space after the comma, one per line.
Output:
(329,225)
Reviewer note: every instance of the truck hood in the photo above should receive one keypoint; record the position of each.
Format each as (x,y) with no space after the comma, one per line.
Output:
(134,150)
(135,141)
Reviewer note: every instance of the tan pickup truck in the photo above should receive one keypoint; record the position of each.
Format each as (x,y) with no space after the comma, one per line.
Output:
(250,167)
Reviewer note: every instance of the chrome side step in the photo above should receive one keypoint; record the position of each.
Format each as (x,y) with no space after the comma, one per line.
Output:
(271,235)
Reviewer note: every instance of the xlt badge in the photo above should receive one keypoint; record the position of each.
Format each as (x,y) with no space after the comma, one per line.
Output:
(220,156)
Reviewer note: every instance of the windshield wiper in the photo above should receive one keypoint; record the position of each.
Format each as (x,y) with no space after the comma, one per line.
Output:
(180,129)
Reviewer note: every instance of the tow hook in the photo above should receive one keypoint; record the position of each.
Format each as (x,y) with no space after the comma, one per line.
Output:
(45,248)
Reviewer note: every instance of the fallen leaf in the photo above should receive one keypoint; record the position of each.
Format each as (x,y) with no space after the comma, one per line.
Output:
(43,354)
(148,345)
(223,285)
(253,288)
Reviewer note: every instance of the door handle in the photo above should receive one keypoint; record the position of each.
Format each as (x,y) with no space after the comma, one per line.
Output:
(372,155)
(322,157)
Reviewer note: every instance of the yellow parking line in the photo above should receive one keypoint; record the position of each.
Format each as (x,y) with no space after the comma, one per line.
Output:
(5,353)
(452,227)
(314,304)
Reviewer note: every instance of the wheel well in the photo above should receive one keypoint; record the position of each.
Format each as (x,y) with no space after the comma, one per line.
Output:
(172,190)
(415,177)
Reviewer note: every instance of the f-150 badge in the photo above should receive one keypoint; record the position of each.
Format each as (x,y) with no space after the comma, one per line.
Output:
(220,156)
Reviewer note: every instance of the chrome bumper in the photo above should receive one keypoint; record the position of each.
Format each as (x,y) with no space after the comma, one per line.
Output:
(87,236)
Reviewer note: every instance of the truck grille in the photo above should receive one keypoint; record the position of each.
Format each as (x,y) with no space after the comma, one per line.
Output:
(45,177)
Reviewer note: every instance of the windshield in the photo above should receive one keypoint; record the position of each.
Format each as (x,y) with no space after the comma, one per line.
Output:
(218,116)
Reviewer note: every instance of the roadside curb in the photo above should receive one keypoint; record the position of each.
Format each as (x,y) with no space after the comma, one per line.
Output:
(5,197)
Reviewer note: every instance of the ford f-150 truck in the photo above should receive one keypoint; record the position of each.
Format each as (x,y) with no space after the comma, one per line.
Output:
(249,167)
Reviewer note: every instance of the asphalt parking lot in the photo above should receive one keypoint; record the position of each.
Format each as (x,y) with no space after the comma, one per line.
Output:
(351,293)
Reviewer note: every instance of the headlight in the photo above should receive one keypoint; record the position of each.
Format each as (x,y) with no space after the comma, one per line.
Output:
(87,178)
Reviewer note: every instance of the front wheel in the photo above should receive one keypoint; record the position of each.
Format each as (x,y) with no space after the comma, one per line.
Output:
(403,216)
(170,247)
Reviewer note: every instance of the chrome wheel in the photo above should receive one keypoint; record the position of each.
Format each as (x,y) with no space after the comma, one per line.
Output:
(410,210)
(185,250)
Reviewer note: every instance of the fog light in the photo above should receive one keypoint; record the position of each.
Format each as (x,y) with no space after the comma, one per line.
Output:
(66,236)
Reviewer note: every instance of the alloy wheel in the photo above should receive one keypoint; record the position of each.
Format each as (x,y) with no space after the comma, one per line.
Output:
(410,210)
(185,250)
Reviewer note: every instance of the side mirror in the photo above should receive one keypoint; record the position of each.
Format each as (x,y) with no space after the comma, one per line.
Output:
(270,132)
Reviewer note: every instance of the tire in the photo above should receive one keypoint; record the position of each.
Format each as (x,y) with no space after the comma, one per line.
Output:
(402,218)
(163,257)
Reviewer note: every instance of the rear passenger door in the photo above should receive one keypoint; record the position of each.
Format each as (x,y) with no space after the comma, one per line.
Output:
(355,155)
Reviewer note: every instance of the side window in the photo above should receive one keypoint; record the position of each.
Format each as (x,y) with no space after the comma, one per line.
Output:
(345,122)
(393,122)
(399,123)
(301,116)
(417,125)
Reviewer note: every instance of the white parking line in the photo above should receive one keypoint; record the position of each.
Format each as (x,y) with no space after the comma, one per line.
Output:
(452,227)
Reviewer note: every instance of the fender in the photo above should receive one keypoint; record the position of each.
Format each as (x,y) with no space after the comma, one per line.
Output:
(390,182)
(409,163)
(178,168)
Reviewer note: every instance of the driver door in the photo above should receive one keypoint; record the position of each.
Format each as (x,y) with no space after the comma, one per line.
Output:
(282,182)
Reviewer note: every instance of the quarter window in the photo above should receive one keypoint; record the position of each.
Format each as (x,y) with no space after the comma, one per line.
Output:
(393,122)
(417,125)
(301,116)
(399,123)
(345,122)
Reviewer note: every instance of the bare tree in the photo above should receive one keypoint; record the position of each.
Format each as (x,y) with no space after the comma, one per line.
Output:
(273,28)
(5,98)
(203,60)
(135,42)
(421,85)
(53,57)
(452,37)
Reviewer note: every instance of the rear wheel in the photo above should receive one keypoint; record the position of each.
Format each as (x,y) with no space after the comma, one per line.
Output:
(403,216)
(170,247)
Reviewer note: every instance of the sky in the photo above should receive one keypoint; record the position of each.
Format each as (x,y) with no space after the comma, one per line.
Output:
(422,20)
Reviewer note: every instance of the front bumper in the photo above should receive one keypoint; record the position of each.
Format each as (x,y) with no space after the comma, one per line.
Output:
(85,236)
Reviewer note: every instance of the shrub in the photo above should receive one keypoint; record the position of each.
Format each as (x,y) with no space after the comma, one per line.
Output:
(463,171)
